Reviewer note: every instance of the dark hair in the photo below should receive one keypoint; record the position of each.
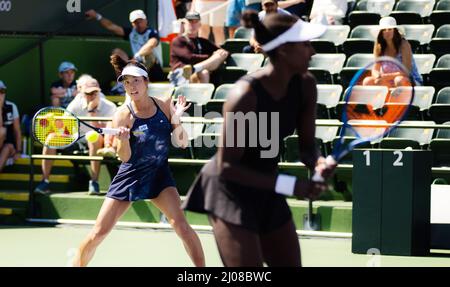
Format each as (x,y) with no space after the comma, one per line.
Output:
(381,44)
(119,64)
(272,26)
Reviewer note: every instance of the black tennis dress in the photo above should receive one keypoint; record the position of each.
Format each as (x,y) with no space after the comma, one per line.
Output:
(258,210)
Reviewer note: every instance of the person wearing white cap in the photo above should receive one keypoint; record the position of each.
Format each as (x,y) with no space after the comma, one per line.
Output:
(144,41)
(193,58)
(391,42)
(240,188)
(87,103)
(63,91)
(10,134)
(148,126)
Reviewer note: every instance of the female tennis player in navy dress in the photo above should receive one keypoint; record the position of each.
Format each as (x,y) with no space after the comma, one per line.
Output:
(242,191)
(145,125)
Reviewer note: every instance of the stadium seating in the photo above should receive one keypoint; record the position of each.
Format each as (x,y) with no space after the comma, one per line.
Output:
(440,146)
(235,45)
(416,138)
(440,109)
(336,34)
(198,94)
(248,62)
(322,64)
(441,15)
(162,90)
(440,74)
(243,33)
(327,98)
(440,43)
(219,98)
(356,18)
(354,63)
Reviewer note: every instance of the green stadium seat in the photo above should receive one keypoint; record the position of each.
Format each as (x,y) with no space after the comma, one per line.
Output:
(235,45)
(407,17)
(322,76)
(336,34)
(327,98)
(422,7)
(443,5)
(243,33)
(354,63)
(425,62)
(440,146)
(213,128)
(248,62)
(228,75)
(440,110)
(291,149)
(219,98)
(330,62)
(357,18)
(369,32)
(439,18)
(421,33)
(354,46)
(373,96)
(382,7)
(197,94)
(440,74)
(165,47)
(326,134)
(160,90)
(423,98)
(440,43)
(323,46)
(401,138)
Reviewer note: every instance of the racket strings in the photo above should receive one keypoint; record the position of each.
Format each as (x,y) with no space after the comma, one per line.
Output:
(53,127)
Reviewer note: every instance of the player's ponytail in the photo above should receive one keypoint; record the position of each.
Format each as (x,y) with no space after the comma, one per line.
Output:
(118,63)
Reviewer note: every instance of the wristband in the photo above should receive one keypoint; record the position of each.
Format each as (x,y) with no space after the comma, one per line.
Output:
(99,17)
(285,184)
(138,57)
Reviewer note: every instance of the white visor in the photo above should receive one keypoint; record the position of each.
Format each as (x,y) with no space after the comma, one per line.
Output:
(300,32)
(132,71)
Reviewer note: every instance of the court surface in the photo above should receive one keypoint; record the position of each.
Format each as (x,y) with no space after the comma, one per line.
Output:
(54,246)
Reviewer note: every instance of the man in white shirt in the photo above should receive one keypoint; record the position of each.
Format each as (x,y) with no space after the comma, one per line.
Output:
(88,103)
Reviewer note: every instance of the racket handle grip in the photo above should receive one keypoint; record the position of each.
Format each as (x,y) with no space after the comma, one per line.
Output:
(110,131)
(329,161)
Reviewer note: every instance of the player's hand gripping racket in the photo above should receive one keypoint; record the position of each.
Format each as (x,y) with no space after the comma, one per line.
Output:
(58,128)
(372,110)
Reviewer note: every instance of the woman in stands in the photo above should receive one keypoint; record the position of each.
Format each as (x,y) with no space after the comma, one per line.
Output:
(240,188)
(145,127)
(390,42)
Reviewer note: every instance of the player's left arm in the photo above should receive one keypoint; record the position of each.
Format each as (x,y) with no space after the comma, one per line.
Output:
(174,113)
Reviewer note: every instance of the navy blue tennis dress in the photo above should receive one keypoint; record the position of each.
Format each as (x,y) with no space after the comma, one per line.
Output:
(147,172)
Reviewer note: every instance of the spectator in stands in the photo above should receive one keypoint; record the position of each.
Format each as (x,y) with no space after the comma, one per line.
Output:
(64,91)
(235,10)
(328,12)
(181,7)
(144,41)
(192,58)
(88,104)
(391,42)
(214,20)
(10,134)
(269,7)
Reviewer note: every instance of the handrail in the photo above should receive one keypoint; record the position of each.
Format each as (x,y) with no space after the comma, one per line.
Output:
(319,123)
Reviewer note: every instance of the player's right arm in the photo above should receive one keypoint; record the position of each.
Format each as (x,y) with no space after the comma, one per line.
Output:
(106,23)
(122,121)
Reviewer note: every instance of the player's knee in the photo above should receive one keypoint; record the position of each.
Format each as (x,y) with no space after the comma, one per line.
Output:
(181,227)
(2,132)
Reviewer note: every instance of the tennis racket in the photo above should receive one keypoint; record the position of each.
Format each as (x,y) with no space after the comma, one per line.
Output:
(369,112)
(372,111)
(56,127)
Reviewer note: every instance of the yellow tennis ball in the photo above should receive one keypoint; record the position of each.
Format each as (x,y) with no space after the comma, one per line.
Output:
(92,136)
